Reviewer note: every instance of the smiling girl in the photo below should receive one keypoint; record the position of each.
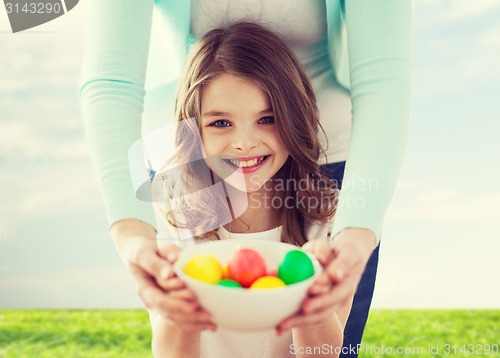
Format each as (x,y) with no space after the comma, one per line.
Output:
(246,108)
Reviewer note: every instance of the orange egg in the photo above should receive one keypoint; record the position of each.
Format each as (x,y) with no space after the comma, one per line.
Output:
(225,272)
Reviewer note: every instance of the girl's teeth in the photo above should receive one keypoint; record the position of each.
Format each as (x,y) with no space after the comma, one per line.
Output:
(246,164)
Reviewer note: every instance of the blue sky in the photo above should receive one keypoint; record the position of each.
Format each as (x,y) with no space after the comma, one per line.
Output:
(441,236)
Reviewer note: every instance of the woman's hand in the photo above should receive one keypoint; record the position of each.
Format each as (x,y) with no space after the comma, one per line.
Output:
(151,267)
(343,262)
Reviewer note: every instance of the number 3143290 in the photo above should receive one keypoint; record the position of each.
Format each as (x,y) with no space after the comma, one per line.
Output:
(34,8)
(471,349)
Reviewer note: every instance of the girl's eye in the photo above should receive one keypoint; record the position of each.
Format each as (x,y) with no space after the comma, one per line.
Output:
(221,123)
(267,120)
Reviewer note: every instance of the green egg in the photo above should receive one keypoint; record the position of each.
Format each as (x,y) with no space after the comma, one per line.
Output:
(229,283)
(295,267)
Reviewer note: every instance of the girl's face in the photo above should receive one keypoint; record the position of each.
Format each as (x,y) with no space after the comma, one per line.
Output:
(240,139)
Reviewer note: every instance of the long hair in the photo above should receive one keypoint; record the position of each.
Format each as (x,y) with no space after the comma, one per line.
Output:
(250,51)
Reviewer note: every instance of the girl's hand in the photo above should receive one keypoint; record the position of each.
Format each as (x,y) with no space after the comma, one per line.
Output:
(343,262)
(151,269)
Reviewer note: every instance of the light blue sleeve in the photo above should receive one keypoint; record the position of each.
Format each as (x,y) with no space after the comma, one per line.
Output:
(379,43)
(112,95)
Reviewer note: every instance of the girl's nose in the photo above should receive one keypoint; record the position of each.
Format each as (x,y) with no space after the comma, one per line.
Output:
(245,140)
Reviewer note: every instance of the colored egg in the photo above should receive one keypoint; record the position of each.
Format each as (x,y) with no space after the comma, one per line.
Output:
(245,266)
(267,282)
(204,267)
(295,267)
(224,272)
(229,283)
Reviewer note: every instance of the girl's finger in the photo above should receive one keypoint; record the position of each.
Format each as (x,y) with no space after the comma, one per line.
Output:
(343,291)
(321,250)
(346,261)
(308,246)
(318,303)
(321,285)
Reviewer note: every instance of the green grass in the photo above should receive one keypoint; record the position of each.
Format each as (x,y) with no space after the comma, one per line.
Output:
(421,328)
(126,333)
(74,333)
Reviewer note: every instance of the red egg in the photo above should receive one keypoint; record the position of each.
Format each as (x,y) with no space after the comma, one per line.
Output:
(245,266)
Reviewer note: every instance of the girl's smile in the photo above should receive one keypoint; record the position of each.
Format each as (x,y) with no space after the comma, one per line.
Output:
(239,132)
(248,164)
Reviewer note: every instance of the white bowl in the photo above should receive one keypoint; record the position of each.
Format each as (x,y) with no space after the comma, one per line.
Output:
(241,309)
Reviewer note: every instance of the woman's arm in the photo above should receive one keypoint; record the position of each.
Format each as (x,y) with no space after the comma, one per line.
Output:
(379,42)
(112,94)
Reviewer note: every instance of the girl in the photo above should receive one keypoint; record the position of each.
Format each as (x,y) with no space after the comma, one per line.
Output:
(357,52)
(246,107)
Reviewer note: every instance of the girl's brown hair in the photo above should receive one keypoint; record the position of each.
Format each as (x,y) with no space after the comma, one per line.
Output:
(249,50)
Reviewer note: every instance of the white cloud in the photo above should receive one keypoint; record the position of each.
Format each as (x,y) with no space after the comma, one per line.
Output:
(456,64)
(455,10)
(437,196)
(437,240)
(97,287)
(405,285)
(69,278)
(451,55)
(48,192)
(429,265)
(409,184)
(47,60)
(468,9)
(444,205)
(21,142)
(490,38)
